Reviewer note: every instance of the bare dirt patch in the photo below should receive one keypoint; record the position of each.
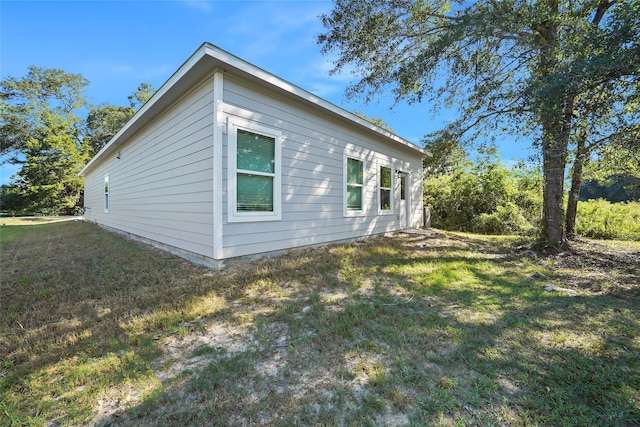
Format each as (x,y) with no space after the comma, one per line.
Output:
(598,267)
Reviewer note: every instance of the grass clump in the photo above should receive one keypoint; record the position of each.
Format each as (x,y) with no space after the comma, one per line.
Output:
(440,329)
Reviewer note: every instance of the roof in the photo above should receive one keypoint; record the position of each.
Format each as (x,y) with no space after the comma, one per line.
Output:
(205,59)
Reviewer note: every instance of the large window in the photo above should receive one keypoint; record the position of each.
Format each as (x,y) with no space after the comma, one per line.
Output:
(384,189)
(106,193)
(255,168)
(355,180)
(254,193)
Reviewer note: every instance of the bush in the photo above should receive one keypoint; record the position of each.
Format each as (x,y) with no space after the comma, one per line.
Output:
(485,197)
(600,219)
(506,219)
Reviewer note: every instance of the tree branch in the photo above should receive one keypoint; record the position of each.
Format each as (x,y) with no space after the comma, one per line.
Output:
(602,9)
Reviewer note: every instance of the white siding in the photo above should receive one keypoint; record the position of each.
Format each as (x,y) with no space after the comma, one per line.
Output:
(161,187)
(312,175)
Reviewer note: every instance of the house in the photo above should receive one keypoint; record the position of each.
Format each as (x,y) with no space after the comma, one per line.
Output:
(227,160)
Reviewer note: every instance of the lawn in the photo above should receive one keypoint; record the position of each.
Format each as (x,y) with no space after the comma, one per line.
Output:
(440,329)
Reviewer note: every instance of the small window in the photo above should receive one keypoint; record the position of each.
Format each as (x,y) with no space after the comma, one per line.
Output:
(385,186)
(255,179)
(355,179)
(106,193)
(403,190)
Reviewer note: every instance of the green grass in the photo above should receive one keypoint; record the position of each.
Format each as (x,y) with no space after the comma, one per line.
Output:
(447,329)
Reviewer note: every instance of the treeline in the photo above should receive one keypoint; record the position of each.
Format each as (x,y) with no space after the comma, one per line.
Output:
(484,196)
(613,188)
(48,128)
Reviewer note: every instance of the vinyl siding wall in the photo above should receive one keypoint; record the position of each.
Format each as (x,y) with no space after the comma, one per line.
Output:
(161,188)
(313,150)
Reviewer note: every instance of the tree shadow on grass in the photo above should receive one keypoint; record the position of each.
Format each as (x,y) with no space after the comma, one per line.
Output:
(83,310)
(388,332)
(361,343)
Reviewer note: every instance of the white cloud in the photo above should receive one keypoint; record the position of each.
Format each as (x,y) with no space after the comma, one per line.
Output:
(120,69)
(324,65)
(198,5)
(278,29)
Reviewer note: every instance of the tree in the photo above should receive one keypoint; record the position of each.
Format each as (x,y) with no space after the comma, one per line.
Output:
(141,95)
(484,196)
(105,121)
(25,104)
(603,115)
(447,154)
(614,189)
(48,182)
(613,171)
(41,128)
(511,64)
(374,120)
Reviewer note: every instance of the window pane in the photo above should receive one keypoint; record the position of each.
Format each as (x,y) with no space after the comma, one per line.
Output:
(255,152)
(254,193)
(403,194)
(385,177)
(354,197)
(354,171)
(385,200)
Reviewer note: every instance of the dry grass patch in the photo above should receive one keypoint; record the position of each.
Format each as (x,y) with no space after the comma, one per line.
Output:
(440,329)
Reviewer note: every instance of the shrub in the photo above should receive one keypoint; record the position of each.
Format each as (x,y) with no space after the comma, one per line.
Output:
(600,219)
(485,197)
(507,219)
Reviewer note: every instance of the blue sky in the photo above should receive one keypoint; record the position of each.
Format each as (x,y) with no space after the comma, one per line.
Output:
(117,45)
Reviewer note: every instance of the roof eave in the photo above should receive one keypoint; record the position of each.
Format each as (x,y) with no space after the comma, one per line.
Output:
(297,92)
(163,97)
(204,60)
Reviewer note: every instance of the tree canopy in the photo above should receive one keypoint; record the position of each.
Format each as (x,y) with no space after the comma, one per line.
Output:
(27,102)
(104,121)
(41,128)
(49,129)
(48,180)
(512,65)
(374,120)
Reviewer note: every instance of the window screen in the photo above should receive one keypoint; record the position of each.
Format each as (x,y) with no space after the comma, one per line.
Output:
(355,171)
(255,168)
(385,188)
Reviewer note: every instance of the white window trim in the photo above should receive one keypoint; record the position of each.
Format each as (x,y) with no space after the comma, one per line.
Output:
(357,156)
(107,194)
(232,214)
(391,209)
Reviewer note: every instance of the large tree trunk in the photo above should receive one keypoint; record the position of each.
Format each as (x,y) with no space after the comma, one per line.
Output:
(555,111)
(554,161)
(576,182)
(555,140)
